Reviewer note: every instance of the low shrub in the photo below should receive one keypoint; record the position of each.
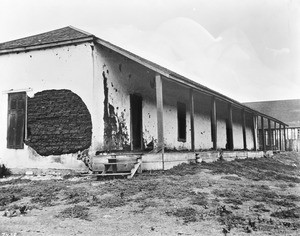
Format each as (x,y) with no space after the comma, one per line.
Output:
(4,171)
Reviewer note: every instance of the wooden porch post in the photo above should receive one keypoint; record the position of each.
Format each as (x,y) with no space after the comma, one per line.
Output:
(254,131)
(263,134)
(284,137)
(269,134)
(192,111)
(280,138)
(231,144)
(244,129)
(160,116)
(214,122)
(275,134)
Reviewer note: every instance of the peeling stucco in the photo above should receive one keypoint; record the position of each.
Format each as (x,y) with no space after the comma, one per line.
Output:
(115,130)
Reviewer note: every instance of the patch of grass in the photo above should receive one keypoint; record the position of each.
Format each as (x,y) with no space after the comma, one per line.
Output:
(188,214)
(171,190)
(282,186)
(290,213)
(200,199)
(292,185)
(22,208)
(234,201)
(183,169)
(232,220)
(230,177)
(111,202)
(284,203)
(76,195)
(255,169)
(291,197)
(264,187)
(6,200)
(260,208)
(77,211)
(225,193)
(229,219)
(230,196)
(44,199)
(128,188)
(45,194)
(146,204)
(15,181)
(259,195)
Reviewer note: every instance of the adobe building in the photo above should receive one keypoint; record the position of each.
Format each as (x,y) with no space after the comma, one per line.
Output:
(69,96)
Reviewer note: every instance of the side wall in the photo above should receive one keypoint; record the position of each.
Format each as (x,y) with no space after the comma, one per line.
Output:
(237,128)
(222,116)
(68,67)
(249,131)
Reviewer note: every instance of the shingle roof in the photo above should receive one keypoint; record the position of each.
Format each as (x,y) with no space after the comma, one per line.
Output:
(287,111)
(54,36)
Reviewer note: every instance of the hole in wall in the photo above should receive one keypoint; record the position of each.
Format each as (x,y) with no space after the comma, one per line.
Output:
(58,123)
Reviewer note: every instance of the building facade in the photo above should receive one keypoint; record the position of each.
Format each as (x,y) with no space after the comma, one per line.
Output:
(67,92)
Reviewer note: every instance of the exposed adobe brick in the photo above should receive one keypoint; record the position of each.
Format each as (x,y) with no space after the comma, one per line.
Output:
(58,123)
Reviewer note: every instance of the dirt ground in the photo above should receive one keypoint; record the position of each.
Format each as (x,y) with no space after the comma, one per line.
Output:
(242,197)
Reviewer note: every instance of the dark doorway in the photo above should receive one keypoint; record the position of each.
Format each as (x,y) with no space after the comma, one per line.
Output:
(181,120)
(136,121)
(229,144)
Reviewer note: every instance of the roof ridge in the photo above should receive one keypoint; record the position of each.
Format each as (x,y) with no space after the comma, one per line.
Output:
(34,35)
(54,36)
(80,30)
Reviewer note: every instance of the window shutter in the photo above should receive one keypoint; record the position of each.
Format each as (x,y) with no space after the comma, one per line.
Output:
(11,131)
(16,120)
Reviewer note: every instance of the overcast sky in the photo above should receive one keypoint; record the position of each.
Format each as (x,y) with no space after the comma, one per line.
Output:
(246,49)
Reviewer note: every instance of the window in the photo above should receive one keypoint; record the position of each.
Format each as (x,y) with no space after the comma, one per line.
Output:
(181,120)
(16,120)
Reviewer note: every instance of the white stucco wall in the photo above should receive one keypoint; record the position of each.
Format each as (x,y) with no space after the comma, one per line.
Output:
(68,67)
(173,93)
(202,121)
(237,128)
(222,115)
(249,131)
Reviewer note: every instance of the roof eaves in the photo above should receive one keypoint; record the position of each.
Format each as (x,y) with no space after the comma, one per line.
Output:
(47,45)
(151,65)
(220,96)
(179,78)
